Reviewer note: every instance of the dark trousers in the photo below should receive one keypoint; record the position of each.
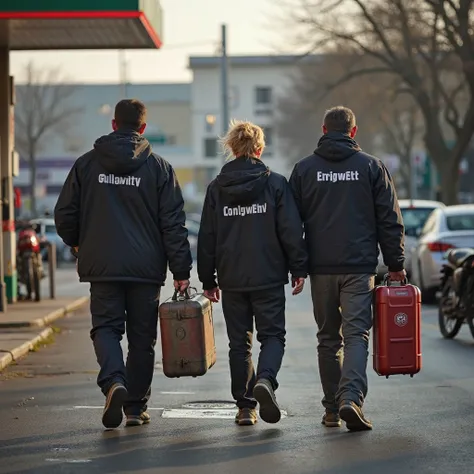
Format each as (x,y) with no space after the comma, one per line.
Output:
(343,312)
(268,307)
(114,304)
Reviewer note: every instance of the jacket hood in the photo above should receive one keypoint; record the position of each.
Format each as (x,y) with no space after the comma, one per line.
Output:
(122,152)
(243,179)
(336,146)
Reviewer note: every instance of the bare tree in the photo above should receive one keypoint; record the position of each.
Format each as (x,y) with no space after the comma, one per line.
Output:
(402,130)
(302,105)
(427,45)
(42,110)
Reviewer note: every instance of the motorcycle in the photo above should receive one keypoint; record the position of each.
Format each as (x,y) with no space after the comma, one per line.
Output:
(29,262)
(456,303)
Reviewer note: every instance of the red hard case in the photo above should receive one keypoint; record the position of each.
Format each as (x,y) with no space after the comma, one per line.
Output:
(187,336)
(397,330)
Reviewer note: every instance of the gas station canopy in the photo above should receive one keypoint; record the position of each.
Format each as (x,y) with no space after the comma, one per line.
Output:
(80,24)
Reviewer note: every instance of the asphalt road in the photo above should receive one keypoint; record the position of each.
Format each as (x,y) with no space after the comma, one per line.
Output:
(50,410)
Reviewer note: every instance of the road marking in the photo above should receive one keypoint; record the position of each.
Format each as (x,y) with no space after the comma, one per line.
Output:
(69,461)
(210,406)
(85,407)
(206,414)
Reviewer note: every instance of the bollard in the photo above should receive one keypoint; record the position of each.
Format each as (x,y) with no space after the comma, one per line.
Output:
(52,269)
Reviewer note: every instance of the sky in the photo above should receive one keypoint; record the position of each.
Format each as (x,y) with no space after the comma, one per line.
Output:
(191,27)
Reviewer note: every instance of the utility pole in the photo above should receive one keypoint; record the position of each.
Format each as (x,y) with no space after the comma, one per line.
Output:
(123,73)
(224,81)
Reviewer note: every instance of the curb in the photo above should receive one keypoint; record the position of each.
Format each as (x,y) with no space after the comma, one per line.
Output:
(51,317)
(22,350)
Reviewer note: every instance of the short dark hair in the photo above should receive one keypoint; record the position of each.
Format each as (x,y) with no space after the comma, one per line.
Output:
(130,113)
(339,119)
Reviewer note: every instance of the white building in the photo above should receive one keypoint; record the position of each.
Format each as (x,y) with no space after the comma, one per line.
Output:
(255,84)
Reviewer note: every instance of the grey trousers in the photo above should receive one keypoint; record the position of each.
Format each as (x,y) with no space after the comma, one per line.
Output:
(343,311)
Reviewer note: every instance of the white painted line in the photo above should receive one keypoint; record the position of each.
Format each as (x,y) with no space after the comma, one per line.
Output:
(177,393)
(210,406)
(69,461)
(80,407)
(204,414)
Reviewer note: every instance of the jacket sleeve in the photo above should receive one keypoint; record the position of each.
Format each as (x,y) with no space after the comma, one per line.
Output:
(172,220)
(295,186)
(207,241)
(290,232)
(390,229)
(68,208)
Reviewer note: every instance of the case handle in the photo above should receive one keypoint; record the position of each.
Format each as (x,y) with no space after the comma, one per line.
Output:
(386,281)
(186,295)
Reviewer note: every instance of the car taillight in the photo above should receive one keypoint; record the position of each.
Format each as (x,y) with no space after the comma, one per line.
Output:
(439,246)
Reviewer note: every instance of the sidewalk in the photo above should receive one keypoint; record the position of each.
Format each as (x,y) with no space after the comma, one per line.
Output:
(20,325)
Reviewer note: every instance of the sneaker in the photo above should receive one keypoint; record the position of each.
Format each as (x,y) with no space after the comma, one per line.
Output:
(246,417)
(113,414)
(353,416)
(331,419)
(264,394)
(134,420)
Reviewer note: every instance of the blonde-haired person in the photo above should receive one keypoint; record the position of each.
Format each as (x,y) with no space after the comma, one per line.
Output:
(252,235)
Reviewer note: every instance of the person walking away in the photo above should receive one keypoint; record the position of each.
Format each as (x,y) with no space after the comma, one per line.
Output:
(251,233)
(121,207)
(348,204)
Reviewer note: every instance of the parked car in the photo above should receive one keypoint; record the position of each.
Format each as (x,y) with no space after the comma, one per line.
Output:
(415,213)
(46,229)
(446,228)
(193,231)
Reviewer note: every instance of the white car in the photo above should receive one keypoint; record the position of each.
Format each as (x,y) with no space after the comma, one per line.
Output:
(415,213)
(447,228)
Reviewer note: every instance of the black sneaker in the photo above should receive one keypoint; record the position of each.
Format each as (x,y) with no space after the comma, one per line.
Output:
(246,417)
(113,415)
(331,419)
(353,416)
(134,420)
(265,396)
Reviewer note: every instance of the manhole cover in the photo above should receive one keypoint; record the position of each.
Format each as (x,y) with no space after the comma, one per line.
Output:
(222,414)
(210,406)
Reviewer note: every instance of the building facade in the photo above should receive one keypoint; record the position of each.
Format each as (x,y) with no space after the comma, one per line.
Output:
(255,85)
(169,131)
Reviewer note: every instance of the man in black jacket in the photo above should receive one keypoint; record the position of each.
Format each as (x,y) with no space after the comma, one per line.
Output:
(348,204)
(252,235)
(121,208)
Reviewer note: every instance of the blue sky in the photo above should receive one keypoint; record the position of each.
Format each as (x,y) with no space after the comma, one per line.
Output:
(191,27)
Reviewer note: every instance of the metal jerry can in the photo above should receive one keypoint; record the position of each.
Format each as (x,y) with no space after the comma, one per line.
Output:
(187,335)
(397,329)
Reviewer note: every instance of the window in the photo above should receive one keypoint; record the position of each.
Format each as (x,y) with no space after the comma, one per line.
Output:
(210,147)
(210,122)
(430,224)
(263,95)
(460,222)
(269,139)
(414,219)
(268,136)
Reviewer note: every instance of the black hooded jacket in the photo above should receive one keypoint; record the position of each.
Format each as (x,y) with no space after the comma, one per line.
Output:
(348,204)
(251,232)
(122,205)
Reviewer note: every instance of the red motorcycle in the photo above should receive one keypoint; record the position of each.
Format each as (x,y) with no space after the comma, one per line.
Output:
(29,262)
